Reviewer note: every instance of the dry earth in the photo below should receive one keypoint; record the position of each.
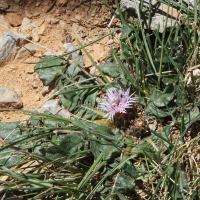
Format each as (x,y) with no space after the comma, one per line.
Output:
(51,24)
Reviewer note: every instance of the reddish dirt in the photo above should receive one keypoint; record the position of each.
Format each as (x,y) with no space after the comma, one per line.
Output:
(78,16)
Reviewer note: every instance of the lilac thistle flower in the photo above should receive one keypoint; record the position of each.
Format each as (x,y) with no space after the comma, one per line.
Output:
(117,101)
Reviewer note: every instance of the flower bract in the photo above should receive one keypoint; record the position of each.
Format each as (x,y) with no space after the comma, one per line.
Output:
(117,101)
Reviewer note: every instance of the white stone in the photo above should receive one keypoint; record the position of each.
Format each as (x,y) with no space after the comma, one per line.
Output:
(26,25)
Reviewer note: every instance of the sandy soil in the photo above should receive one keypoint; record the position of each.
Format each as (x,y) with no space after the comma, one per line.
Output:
(88,20)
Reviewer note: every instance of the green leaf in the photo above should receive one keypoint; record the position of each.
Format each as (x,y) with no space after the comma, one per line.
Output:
(153,110)
(7,156)
(49,69)
(71,99)
(188,117)
(130,169)
(94,145)
(183,180)
(70,144)
(179,96)
(126,181)
(50,122)
(165,59)
(159,98)
(125,30)
(73,68)
(109,69)
(170,78)
(121,196)
(160,137)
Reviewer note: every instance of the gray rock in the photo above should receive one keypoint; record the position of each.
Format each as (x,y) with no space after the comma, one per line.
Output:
(31,48)
(71,47)
(64,114)
(158,13)
(27,50)
(51,106)
(8,46)
(45,90)
(26,25)
(153,126)
(4,5)
(190,4)
(23,38)
(13,7)
(9,98)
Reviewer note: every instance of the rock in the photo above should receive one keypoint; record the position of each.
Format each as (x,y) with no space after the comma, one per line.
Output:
(3,5)
(36,14)
(156,14)
(30,69)
(34,85)
(153,126)
(9,98)
(62,2)
(64,114)
(92,70)
(37,98)
(37,4)
(52,20)
(17,1)
(190,4)
(78,17)
(45,90)
(4,21)
(14,19)
(83,35)
(63,25)
(52,53)
(51,106)
(27,51)
(42,30)
(71,47)
(23,38)
(35,35)
(195,76)
(26,25)
(13,7)
(59,35)
(8,46)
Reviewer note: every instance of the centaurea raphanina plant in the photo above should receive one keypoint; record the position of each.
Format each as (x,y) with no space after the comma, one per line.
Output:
(117,101)
(121,109)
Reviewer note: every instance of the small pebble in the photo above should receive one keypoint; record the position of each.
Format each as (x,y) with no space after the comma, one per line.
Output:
(92,15)
(34,85)
(45,90)
(38,4)
(37,98)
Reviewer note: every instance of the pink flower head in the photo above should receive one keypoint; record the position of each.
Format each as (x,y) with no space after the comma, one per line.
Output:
(117,101)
